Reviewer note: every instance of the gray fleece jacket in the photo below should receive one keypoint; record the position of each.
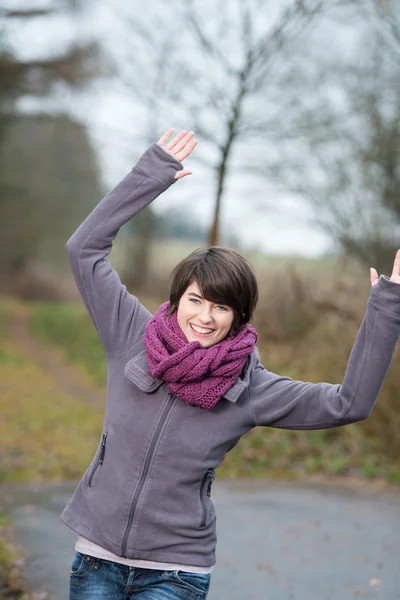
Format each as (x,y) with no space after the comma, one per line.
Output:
(147,492)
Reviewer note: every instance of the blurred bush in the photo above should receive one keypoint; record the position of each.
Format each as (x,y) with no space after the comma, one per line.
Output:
(308,323)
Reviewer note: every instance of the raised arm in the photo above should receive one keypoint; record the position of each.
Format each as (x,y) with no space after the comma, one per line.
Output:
(118,316)
(288,404)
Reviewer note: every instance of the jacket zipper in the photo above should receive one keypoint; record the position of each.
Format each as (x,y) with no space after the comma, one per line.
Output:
(143,476)
(101,458)
(210,475)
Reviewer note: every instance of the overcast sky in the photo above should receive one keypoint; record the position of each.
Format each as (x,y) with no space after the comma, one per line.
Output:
(114,122)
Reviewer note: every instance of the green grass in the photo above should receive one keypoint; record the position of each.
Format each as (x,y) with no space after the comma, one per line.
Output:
(45,434)
(70,328)
(9,356)
(267,452)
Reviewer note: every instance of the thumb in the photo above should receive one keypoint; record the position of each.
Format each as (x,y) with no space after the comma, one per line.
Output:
(183,173)
(373,275)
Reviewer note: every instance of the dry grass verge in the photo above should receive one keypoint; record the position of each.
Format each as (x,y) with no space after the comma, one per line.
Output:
(10,565)
(45,433)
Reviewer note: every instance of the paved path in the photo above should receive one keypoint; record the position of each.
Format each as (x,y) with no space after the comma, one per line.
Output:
(276,541)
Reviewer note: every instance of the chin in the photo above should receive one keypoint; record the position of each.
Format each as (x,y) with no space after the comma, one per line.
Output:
(206,344)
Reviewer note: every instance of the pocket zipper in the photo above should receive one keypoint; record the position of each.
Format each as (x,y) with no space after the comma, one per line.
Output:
(101,458)
(210,475)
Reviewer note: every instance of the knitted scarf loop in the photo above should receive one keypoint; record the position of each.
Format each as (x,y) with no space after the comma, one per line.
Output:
(199,376)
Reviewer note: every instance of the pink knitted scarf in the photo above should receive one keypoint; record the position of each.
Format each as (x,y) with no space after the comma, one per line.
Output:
(199,376)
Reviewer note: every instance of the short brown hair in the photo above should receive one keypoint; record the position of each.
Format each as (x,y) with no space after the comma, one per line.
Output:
(223,276)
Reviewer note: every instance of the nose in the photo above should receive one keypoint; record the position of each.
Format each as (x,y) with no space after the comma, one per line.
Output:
(205,315)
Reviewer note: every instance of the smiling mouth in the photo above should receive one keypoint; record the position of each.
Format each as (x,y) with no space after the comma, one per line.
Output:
(201,330)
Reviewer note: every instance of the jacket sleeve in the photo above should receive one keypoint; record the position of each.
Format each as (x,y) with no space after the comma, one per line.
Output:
(118,316)
(288,404)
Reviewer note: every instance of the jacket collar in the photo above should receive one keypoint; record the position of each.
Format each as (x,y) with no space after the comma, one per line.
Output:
(137,370)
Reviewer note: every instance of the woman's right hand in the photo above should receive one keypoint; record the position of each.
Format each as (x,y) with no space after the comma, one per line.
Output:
(179,147)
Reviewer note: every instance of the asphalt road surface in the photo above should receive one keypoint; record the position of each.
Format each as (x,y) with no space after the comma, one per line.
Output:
(276,541)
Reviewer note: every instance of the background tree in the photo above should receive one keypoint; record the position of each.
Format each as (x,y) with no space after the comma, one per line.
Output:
(350,170)
(223,75)
(48,175)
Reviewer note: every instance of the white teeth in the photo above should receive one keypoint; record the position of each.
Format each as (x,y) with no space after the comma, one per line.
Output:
(200,329)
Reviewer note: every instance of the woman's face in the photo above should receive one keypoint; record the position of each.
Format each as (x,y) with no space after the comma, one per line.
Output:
(201,320)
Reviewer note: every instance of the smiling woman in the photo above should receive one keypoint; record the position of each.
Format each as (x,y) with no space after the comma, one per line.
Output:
(184,385)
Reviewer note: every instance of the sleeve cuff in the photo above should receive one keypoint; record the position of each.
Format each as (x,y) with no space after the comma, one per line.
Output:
(159,165)
(385,296)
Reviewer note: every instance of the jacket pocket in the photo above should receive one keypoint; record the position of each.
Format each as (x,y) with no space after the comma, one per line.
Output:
(100,459)
(205,493)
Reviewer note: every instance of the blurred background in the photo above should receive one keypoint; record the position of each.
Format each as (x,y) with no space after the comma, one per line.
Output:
(296,106)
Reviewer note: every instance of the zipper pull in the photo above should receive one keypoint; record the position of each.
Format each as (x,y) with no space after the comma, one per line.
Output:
(211,477)
(103,448)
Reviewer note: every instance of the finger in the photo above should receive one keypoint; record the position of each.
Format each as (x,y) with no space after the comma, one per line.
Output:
(396,264)
(187,150)
(373,275)
(182,142)
(176,139)
(164,137)
(183,173)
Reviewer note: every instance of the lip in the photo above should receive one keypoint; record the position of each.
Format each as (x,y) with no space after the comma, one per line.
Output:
(201,335)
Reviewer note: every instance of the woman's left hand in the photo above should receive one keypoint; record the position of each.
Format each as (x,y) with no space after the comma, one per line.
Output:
(179,147)
(395,273)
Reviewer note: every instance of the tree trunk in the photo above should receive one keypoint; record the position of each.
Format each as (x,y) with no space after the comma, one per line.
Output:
(213,238)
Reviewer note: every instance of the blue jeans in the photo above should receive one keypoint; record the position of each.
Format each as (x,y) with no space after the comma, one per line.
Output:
(97,579)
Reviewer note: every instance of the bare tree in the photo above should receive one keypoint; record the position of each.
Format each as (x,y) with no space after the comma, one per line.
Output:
(350,171)
(224,74)
(385,18)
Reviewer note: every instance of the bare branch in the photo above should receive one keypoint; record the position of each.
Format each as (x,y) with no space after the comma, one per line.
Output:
(26,14)
(292,24)
(384,21)
(213,50)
